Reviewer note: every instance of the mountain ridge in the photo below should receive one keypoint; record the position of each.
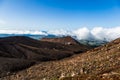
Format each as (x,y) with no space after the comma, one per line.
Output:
(29,52)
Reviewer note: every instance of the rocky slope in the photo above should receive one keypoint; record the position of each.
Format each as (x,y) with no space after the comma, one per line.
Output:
(28,51)
(102,63)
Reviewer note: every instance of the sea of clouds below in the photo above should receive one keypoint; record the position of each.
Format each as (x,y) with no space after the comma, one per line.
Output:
(97,33)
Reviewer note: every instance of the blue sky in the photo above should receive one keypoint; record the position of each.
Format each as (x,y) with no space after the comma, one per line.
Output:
(58,14)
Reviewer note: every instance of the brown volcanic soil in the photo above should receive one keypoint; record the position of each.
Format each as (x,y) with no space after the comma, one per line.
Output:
(102,63)
(63,40)
(19,52)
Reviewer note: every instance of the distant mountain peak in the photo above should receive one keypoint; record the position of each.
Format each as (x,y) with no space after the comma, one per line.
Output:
(67,40)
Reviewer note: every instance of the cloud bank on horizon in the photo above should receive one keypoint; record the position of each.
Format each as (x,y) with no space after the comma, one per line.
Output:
(98,33)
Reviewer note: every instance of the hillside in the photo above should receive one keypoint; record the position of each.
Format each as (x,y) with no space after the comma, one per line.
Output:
(102,63)
(63,40)
(28,51)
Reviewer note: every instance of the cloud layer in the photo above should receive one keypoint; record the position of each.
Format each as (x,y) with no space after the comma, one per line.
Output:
(98,33)
(22,32)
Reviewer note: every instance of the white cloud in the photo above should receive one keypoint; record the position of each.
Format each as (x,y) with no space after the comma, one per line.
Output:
(60,32)
(98,33)
(22,32)
(106,33)
(83,33)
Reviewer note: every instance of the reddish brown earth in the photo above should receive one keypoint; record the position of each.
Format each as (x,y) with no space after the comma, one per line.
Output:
(102,63)
(19,52)
(63,40)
